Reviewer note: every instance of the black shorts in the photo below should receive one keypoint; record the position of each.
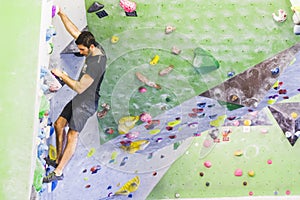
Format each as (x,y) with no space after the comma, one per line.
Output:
(77,115)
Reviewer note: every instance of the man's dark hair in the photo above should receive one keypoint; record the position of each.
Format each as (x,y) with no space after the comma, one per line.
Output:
(86,39)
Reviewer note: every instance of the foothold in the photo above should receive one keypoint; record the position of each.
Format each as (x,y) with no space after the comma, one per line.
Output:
(207,184)
(245,183)
(109,131)
(166,71)
(110,194)
(288,192)
(251,193)
(201,105)
(193,125)
(131,14)
(84,171)
(275,192)
(101,14)
(275,71)
(236,123)
(197,134)
(230,74)
(281,17)
(234,98)
(145,117)
(91,152)
(124,161)
(207,164)
(168,99)
(282,91)
(269,162)
(174,123)
(175,50)
(264,131)
(251,173)
(145,80)
(197,110)
(154,131)
(172,136)
(169,29)
(238,153)
(132,135)
(109,187)
(238,172)
(142,89)
(201,174)
(87,186)
(154,173)
(95,169)
(114,39)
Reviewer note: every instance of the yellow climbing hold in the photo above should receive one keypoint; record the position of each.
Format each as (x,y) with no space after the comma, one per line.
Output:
(219,121)
(247,122)
(127,123)
(154,60)
(52,152)
(238,153)
(136,146)
(114,155)
(174,123)
(251,173)
(276,84)
(129,187)
(294,115)
(91,152)
(271,101)
(114,39)
(154,131)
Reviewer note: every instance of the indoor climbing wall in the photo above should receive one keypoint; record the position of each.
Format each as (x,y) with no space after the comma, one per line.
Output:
(229,53)
(197,94)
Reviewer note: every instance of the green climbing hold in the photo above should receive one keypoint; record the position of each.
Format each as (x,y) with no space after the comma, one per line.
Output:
(204,62)
(38,176)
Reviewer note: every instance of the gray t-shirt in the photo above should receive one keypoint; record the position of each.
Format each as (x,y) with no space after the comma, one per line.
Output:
(95,67)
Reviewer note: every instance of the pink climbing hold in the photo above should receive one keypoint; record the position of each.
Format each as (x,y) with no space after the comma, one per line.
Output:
(142,89)
(207,164)
(145,117)
(238,172)
(207,143)
(269,162)
(128,6)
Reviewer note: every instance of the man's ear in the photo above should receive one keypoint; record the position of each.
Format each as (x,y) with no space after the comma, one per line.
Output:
(92,47)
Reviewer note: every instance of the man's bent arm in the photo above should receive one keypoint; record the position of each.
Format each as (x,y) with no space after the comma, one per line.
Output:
(78,86)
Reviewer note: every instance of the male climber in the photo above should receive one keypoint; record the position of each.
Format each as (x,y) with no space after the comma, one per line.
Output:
(76,113)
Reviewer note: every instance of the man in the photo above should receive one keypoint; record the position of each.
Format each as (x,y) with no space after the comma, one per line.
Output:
(84,104)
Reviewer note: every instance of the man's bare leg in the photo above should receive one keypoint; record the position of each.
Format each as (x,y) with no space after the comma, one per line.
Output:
(68,151)
(60,132)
